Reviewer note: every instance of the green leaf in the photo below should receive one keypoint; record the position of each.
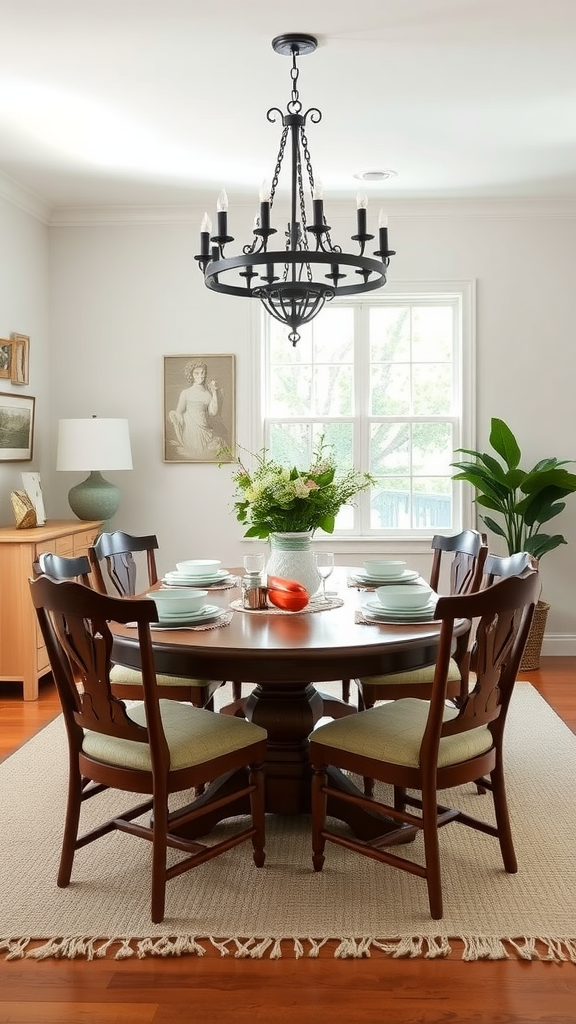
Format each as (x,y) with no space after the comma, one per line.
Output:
(504,443)
(327,524)
(541,543)
(494,526)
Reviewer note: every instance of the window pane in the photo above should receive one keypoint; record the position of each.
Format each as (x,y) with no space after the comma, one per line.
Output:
(333,391)
(432,448)
(431,389)
(390,389)
(291,391)
(432,333)
(432,502)
(389,333)
(390,504)
(389,449)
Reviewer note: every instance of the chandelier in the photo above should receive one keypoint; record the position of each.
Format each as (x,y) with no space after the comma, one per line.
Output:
(293,283)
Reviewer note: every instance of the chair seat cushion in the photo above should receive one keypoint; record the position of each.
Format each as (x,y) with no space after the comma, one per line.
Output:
(193,736)
(132,677)
(417,675)
(393,732)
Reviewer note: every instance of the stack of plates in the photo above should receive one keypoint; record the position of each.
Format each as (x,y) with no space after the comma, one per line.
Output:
(176,619)
(179,579)
(406,576)
(374,610)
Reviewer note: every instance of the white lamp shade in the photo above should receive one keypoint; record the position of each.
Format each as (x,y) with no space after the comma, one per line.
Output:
(93,444)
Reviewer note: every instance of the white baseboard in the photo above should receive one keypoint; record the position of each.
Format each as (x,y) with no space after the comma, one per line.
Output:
(557,644)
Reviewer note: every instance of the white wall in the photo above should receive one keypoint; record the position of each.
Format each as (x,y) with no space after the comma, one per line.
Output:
(24,310)
(125,291)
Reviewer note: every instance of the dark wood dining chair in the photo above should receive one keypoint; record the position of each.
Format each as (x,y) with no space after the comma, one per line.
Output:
(425,747)
(63,567)
(113,553)
(469,550)
(155,748)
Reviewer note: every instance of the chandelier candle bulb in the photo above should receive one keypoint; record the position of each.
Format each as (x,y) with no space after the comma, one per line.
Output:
(205,232)
(361,207)
(383,232)
(318,206)
(264,206)
(222,210)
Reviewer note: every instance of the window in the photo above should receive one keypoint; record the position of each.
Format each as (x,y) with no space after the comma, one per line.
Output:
(388,383)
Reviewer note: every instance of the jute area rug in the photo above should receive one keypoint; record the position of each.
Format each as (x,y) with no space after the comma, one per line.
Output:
(285,908)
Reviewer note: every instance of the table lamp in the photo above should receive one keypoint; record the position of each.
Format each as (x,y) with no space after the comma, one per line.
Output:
(94,444)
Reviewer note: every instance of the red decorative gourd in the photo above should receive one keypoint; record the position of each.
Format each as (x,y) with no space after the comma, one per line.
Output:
(287,594)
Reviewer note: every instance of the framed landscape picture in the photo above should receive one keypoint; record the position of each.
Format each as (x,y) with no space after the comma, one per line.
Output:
(199,408)
(6,352)
(16,427)
(20,358)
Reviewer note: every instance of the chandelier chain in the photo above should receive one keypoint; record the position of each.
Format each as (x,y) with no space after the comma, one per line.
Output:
(278,167)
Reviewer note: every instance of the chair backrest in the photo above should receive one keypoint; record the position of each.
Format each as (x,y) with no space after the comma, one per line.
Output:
(63,567)
(502,566)
(469,550)
(503,613)
(116,550)
(75,623)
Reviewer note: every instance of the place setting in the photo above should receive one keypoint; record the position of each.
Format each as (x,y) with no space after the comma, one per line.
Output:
(206,573)
(187,609)
(382,572)
(408,603)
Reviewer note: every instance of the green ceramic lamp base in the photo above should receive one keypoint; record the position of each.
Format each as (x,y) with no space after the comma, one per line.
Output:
(94,498)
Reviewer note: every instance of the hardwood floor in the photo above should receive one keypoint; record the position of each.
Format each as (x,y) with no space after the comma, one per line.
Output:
(211,989)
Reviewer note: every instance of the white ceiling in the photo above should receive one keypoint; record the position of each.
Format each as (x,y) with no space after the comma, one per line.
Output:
(148,102)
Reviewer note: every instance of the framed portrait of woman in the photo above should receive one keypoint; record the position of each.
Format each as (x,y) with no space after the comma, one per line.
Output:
(199,408)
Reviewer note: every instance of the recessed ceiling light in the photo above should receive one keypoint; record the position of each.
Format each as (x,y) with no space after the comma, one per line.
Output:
(375,175)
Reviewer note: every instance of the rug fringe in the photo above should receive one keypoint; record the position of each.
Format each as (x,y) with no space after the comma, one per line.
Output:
(476,947)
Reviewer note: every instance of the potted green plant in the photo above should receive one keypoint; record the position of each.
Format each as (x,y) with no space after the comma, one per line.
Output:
(525,499)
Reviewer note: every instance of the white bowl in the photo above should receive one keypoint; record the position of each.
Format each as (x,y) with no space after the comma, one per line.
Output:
(180,601)
(404,596)
(199,567)
(383,568)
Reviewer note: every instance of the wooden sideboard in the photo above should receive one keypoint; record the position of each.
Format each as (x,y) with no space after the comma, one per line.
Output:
(23,656)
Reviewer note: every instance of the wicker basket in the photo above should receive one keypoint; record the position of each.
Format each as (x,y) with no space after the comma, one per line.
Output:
(531,656)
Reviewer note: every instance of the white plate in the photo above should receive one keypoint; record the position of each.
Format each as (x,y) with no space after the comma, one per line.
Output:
(176,579)
(176,617)
(374,610)
(407,576)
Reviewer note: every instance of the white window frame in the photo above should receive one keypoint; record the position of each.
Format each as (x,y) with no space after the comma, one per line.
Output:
(463,295)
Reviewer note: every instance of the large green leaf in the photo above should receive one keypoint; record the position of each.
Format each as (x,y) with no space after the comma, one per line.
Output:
(494,526)
(504,443)
(541,543)
(564,481)
(482,481)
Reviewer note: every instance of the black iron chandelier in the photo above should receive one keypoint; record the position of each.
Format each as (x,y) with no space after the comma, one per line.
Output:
(295,282)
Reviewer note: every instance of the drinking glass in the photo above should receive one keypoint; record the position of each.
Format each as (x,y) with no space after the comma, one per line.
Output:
(324,561)
(254,564)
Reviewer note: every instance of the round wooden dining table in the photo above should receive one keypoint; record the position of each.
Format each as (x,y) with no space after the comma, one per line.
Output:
(287,656)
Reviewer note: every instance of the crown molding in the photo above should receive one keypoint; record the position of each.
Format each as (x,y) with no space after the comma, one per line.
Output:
(20,197)
(442,209)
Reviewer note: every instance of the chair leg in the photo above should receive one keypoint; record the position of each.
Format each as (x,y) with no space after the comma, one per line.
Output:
(346,690)
(319,804)
(236,691)
(75,786)
(432,851)
(257,808)
(159,851)
(503,819)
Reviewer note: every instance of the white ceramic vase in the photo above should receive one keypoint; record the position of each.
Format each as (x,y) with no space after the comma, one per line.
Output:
(292,558)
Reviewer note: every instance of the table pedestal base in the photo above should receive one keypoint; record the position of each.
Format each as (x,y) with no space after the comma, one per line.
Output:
(289,712)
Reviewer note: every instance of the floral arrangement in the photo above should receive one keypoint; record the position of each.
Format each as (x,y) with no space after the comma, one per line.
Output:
(275,499)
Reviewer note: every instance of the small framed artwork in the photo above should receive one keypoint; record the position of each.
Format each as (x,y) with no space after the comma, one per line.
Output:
(33,488)
(20,358)
(6,354)
(199,408)
(16,427)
